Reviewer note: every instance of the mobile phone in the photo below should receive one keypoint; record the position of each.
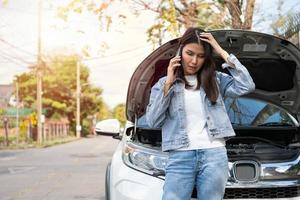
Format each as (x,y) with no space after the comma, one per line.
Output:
(178,53)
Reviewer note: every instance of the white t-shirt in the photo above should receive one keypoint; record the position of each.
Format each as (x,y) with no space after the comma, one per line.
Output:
(196,121)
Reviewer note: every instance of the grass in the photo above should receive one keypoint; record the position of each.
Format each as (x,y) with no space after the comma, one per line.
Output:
(33,144)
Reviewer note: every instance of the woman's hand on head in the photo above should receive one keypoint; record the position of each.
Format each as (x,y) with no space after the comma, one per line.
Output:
(172,69)
(209,38)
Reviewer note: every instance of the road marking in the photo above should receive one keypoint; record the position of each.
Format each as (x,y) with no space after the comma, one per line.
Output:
(15,170)
(8,158)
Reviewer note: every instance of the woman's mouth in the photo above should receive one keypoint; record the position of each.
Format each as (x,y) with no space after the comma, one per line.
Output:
(192,67)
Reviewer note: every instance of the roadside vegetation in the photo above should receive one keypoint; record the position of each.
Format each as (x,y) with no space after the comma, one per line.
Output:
(59,69)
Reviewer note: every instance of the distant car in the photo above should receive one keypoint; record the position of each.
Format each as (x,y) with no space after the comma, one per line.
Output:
(264,156)
(108,127)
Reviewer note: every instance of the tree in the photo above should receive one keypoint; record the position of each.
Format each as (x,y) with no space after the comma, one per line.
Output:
(119,113)
(59,90)
(172,16)
(278,22)
(292,26)
(286,25)
(241,16)
(104,112)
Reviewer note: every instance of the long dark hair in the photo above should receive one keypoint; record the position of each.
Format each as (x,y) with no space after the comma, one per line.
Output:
(206,76)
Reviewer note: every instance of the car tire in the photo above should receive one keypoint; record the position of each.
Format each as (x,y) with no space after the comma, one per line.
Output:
(107,182)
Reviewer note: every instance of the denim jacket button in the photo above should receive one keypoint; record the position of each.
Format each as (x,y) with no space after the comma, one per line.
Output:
(208,118)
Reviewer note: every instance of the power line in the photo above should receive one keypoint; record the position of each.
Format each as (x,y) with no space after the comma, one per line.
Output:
(11,60)
(87,59)
(126,51)
(17,48)
(15,57)
(121,60)
(116,54)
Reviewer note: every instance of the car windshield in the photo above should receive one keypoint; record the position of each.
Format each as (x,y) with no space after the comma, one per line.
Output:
(252,112)
(244,111)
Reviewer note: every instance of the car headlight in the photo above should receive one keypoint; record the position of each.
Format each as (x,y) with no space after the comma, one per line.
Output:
(145,160)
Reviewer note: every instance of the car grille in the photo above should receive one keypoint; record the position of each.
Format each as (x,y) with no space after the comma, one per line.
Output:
(261,193)
(258,193)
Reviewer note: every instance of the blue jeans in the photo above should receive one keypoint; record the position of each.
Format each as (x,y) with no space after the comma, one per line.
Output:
(207,169)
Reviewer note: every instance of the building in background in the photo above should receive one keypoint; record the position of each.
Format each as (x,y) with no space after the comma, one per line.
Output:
(6,93)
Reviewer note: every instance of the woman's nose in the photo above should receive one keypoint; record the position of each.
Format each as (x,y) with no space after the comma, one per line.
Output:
(194,59)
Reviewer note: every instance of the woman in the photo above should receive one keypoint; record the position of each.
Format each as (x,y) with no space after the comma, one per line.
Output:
(188,105)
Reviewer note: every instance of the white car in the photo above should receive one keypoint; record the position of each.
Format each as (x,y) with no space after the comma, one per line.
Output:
(264,156)
(105,127)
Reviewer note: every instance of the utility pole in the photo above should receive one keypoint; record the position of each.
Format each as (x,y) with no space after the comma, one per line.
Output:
(17,106)
(78,92)
(39,75)
(6,130)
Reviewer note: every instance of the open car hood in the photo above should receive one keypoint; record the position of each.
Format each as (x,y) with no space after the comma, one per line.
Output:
(273,63)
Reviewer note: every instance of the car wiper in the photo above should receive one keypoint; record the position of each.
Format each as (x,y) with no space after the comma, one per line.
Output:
(237,124)
(274,124)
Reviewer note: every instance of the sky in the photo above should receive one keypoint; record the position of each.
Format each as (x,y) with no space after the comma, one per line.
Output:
(111,69)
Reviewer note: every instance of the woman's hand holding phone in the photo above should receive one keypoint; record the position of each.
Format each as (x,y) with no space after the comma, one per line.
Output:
(172,69)
(172,72)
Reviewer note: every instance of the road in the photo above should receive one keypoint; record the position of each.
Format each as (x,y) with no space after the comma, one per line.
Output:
(75,170)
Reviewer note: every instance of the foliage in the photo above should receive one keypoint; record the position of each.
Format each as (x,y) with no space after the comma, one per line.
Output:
(4,2)
(59,89)
(23,128)
(286,25)
(104,112)
(33,119)
(99,8)
(2,111)
(293,25)
(119,113)
(172,16)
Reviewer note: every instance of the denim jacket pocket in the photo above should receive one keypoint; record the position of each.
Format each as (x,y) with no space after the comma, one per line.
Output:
(175,102)
(218,120)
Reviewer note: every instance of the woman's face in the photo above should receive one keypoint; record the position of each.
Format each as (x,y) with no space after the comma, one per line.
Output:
(192,58)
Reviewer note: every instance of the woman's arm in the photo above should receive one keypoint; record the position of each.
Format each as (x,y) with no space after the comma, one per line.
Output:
(158,104)
(240,82)
(161,94)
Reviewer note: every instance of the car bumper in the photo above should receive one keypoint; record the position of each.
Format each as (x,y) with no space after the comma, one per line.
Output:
(126,183)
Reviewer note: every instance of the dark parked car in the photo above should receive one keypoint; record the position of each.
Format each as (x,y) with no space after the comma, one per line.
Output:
(264,156)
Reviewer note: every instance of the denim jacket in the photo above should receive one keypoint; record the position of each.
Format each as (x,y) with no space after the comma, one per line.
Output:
(167,111)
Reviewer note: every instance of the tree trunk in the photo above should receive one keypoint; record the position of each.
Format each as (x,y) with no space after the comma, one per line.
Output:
(249,14)
(235,12)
